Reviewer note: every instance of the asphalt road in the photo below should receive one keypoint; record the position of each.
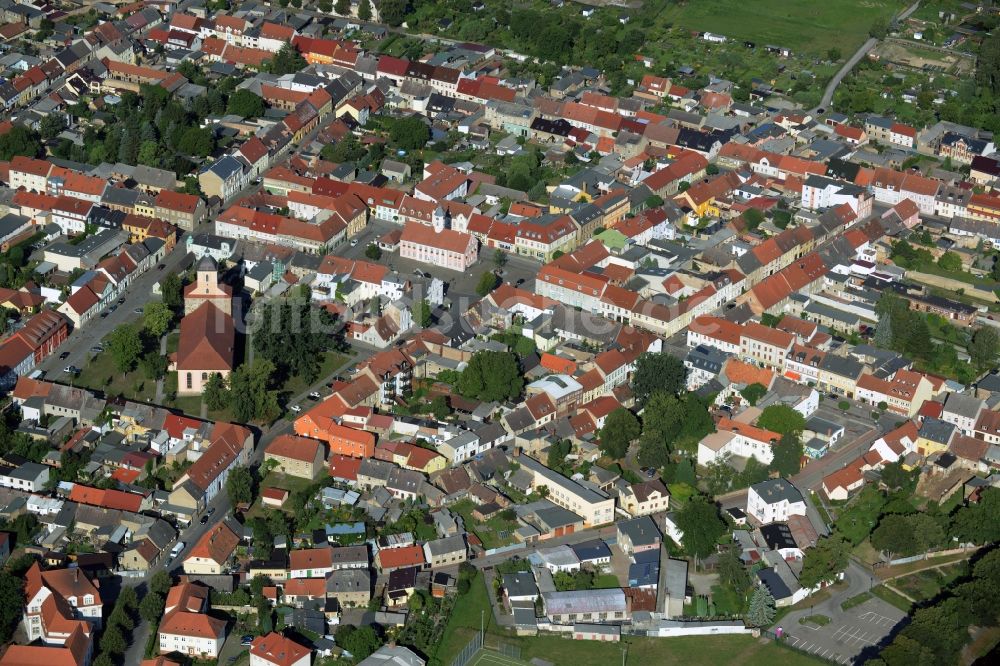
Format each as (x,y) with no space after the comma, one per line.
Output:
(852,62)
(849,633)
(80,341)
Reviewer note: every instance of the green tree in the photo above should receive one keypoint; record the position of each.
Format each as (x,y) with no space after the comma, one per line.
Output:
(653,201)
(157,318)
(149,154)
(11,604)
(245,103)
(621,427)
(51,125)
(113,641)
(196,141)
(422,313)
(895,477)
(373,252)
(359,641)
(409,133)
(151,608)
(833,54)
(499,258)
(753,393)
(781,419)
(491,375)
(701,525)
(160,583)
(239,486)
(653,450)
(215,394)
(894,536)
(365,10)
(984,347)
(788,451)
(287,61)
(988,63)
(657,372)
(950,261)
(173,292)
(487,283)
(824,561)
(19,140)
(733,574)
(250,398)
(293,335)
(125,346)
(761,611)
(342,7)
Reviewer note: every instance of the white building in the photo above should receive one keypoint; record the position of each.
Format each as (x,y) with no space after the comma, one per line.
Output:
(775,500)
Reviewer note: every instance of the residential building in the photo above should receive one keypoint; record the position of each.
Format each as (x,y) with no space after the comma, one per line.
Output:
(774,500)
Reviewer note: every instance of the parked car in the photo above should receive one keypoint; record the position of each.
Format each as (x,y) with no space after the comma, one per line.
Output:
(96,349)
(161,267)
(71,370)
(203,520)
(137,311)
(314,395)
(121,300)
(295,409)
(354,242)
(63,356)
(246,640)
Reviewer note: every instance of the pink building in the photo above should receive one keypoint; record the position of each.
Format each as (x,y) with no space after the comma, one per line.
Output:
(447,248)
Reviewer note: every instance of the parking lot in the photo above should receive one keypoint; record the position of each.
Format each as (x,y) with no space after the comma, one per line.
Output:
(849,632)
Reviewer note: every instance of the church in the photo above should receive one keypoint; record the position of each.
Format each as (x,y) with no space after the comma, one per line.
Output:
(208,337)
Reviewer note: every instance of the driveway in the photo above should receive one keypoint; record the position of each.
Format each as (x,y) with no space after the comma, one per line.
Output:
(850,631)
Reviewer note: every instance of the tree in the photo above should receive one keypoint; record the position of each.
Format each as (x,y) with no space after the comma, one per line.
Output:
(653,201)
(984,347)
(556,458)
(214,392)
(781,419)
(712,169)
(410,133)
(657,372)
(879,29)
(499,258)
(753,393)
(19,140)
(753,218)
(125,345)
(365,10)
(653,450)
(894,535)
(787,459)
(151,607)
(392,12)
(51,125)
(733,574)
(950,261)
(359,641)
(487,283)
(422,313)
(895,477)
(287,60)
(157,318)
(160,583)
(701,525)
(293,335)
(342,7)
(824,561)
(239,486)
(761,611)
(373,252)
(11,604)
(621,427)
(196,141)
(250,398)
(833,54)
(883,332)
(988,63)
(113,641)
(245,103)
(491,375)
(172,291)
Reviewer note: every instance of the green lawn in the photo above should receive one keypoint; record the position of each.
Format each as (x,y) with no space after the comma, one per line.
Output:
(803,25)
(887,595)
(100,374)
(856,600)
(690,651)
(926,584)
(494,533)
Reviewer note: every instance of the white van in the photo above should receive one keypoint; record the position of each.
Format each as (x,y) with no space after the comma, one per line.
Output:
(176,550)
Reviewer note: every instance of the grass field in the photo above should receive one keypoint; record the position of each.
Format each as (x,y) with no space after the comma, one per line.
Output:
(689,650)
(800,25)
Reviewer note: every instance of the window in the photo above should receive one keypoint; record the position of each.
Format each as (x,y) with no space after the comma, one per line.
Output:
(189,383)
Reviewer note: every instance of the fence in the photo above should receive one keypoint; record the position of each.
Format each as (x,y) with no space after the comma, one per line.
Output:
(469,652)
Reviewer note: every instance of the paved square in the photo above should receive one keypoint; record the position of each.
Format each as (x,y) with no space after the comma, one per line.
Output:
(848,633)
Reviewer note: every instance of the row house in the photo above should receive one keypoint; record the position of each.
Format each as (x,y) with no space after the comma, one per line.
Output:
(890,187)
(765,346)
(903,393)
